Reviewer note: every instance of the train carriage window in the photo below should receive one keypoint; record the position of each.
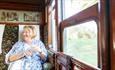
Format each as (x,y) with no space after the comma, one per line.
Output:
(80,35)
(1,35)
(81,42)
(53,28)
(72,7)
(52,25)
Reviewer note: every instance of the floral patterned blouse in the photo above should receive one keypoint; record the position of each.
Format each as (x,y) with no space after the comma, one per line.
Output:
(33,62)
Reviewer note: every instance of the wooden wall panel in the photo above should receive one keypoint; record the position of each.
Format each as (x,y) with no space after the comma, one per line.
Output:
(18,6)
(112,16)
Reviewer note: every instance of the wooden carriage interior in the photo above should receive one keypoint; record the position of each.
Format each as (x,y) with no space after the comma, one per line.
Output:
(80,41)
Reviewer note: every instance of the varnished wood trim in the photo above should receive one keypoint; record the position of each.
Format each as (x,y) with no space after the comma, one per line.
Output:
(19,23)
(83,66)
(112,33)
(18,6)
(90,13)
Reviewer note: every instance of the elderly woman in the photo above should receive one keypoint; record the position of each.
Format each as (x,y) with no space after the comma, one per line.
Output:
(27,54)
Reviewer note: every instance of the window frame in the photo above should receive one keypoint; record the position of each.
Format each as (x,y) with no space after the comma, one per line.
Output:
(78,19)
(52,9)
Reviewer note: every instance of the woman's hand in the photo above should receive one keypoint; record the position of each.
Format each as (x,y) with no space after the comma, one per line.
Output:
(36,49)
(39,50)
(28,53)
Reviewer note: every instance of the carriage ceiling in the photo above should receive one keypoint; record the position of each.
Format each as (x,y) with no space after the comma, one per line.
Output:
(34,2)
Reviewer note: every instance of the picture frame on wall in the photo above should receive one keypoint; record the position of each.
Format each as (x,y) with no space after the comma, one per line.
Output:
(12,16)
(20,16)
(3,16)
(33,17)
(9,16)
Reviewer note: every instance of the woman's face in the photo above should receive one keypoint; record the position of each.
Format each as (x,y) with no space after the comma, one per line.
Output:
(27,34)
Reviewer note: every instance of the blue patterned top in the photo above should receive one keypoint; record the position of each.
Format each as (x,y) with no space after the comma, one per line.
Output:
(33,62)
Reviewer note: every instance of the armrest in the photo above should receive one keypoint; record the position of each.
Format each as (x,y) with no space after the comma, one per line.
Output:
(47,66)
